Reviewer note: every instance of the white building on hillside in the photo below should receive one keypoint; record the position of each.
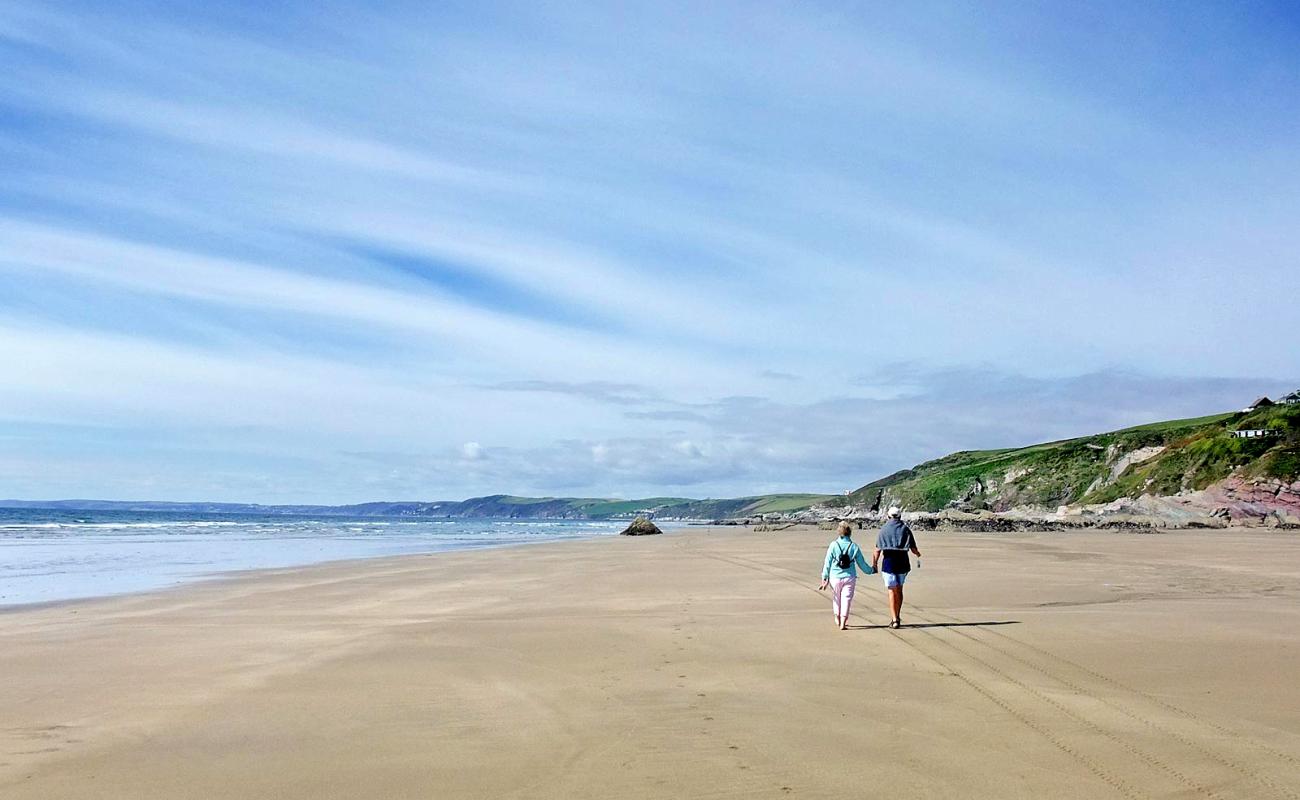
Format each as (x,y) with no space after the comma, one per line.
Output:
(1257,433)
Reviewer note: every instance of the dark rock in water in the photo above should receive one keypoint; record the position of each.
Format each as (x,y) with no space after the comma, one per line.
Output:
(641,527)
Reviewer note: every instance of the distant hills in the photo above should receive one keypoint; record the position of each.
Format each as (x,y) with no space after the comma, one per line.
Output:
(1238,464)
(497,506)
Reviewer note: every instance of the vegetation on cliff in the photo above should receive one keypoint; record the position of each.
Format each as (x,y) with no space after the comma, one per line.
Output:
(1162,458)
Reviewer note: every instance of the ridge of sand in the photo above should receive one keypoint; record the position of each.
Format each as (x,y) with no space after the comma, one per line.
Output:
(695,664)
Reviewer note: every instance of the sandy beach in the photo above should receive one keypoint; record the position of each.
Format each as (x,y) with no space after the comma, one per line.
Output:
(695,664)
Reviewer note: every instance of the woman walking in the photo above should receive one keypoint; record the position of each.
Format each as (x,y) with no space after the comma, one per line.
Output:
(890,555)
(840,573)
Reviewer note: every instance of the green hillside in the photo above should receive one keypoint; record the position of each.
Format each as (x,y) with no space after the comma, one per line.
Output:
(1100,468)
(509,506)
(679,507)
(742,506)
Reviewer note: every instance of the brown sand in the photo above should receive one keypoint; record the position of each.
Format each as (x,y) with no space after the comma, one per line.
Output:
(701,664)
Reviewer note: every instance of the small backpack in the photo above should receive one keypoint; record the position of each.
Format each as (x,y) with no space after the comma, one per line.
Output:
(846,557)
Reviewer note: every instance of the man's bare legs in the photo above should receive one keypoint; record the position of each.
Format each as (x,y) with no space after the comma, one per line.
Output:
(895,603)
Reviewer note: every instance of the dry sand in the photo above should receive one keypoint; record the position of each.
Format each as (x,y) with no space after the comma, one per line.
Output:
(699,664)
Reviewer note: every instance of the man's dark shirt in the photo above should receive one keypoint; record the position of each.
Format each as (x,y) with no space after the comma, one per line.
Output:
(894,541)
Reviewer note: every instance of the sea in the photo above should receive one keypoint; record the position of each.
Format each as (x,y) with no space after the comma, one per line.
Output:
(48,556)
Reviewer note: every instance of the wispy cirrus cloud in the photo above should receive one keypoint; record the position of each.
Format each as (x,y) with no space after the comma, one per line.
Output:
(623,394)
(722,247)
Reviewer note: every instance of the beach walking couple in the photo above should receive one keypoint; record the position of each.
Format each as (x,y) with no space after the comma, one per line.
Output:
(889,558)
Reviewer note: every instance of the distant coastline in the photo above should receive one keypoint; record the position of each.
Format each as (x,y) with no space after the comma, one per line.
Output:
(490,507)
(1237,467)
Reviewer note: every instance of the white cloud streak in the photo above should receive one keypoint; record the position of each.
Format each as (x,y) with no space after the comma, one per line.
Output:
(567,236)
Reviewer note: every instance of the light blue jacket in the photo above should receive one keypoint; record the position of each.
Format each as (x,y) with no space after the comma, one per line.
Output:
(831,569)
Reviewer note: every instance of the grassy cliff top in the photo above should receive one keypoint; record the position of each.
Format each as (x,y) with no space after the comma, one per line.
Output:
(1157,458)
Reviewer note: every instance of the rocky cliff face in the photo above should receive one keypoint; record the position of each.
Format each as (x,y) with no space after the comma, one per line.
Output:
(1254,499)
(1239,501)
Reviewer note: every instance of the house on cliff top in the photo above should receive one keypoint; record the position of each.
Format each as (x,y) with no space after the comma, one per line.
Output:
(1291,399)
(1262,402)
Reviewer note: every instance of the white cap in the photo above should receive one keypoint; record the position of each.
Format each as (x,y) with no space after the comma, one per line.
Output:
(895,511)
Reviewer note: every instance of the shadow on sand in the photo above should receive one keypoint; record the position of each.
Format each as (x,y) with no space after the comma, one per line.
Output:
(907,625)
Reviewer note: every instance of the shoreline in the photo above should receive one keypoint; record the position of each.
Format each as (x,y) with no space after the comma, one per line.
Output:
(696,662)
(108,558)
(672,528)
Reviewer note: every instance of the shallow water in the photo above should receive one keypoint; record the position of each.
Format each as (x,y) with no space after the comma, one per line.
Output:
(63,555)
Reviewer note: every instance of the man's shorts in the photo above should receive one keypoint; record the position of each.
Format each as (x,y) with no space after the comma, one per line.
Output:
(893,579)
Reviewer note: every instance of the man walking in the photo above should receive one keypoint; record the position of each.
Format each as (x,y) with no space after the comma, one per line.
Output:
(890,557)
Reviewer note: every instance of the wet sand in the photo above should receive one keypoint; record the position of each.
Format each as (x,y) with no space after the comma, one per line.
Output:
(697,664)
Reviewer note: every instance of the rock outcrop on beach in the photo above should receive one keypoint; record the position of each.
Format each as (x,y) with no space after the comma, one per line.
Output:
(641,527)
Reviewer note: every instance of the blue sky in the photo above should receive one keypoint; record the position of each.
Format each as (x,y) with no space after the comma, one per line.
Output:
(322,253)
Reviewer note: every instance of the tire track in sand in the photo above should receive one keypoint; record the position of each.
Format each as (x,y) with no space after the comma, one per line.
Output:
(1162,729)
(1088,763)
(1147,696)
(1236,736)
(1137,753)
(1084,717)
